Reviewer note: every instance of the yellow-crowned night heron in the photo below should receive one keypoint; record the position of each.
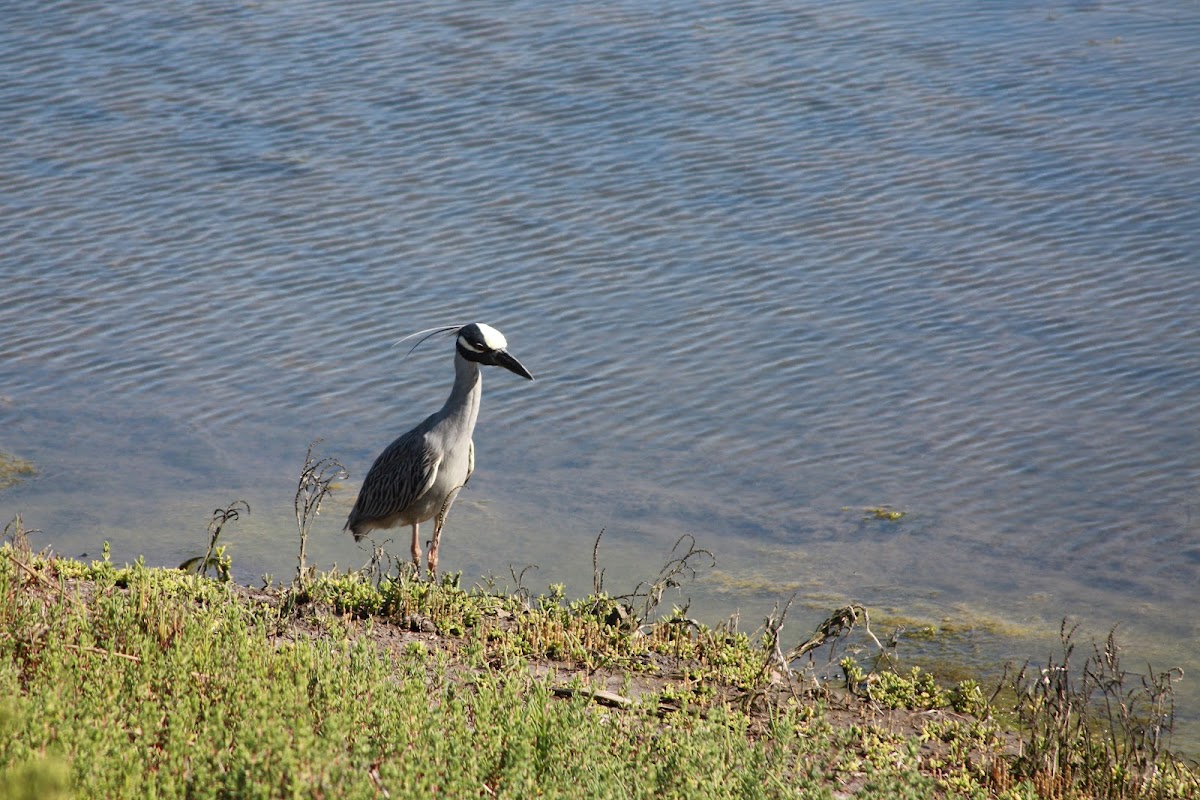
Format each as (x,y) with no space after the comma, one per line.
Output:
(418,476)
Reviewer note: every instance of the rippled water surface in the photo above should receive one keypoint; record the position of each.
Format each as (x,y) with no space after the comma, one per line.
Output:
(771,263)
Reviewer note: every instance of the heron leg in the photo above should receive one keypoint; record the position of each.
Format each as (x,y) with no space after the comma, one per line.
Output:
(416,549)
(433,546)
(438,522)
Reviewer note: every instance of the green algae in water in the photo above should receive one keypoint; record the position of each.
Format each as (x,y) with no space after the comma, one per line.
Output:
(14,469)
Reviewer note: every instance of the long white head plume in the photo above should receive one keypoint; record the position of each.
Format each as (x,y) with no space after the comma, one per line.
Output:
(425,334)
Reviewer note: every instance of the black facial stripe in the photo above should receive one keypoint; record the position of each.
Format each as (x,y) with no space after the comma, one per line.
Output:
(470,355)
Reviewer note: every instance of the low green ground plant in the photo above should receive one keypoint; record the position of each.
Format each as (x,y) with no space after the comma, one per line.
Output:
(136,682)
(129,681)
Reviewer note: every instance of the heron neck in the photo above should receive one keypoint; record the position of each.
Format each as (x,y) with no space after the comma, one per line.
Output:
(468,386)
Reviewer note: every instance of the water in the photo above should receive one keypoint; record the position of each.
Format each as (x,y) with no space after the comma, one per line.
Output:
(771,263)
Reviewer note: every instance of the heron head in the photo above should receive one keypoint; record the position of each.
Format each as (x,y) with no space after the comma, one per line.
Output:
(483,344)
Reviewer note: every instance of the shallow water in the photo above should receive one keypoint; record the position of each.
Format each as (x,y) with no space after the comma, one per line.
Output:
(771,263)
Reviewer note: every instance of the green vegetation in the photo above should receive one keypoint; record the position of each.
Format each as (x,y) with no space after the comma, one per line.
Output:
(215,557)
(136,682)
(14,469)
(885,513)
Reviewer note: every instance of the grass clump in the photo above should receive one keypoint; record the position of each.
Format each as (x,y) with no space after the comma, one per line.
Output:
(1096,729)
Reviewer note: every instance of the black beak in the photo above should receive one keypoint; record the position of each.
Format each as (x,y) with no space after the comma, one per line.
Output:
(503,359)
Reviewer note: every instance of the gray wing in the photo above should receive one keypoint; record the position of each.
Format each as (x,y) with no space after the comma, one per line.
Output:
(399,477)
